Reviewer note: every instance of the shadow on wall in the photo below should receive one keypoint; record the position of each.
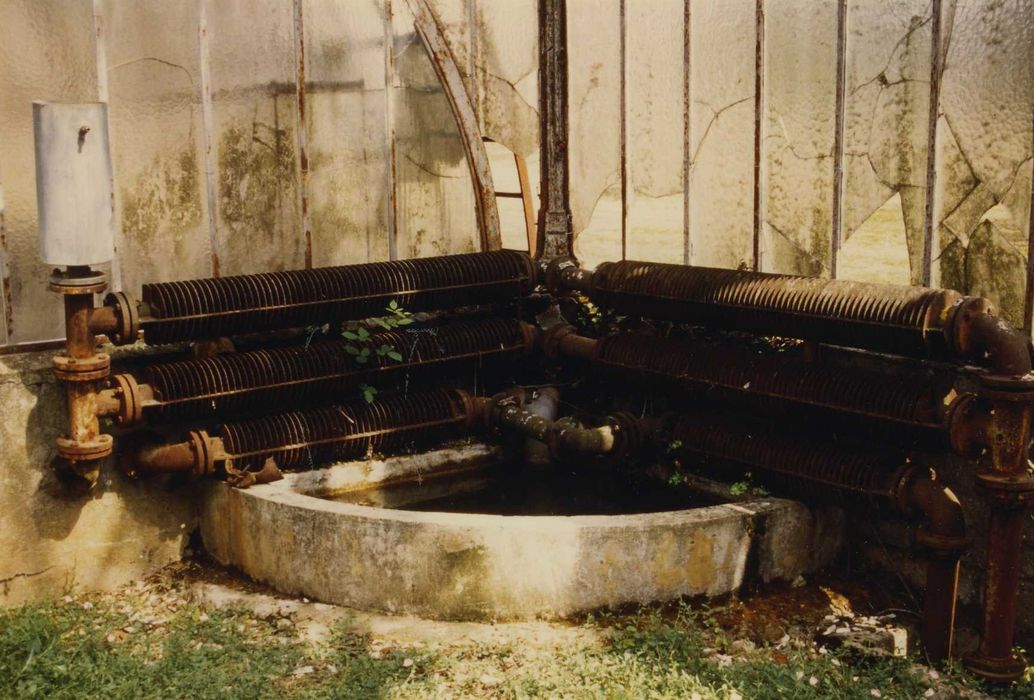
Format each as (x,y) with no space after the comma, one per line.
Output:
(54,539)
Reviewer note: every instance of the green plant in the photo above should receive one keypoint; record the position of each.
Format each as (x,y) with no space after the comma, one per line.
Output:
(362,351)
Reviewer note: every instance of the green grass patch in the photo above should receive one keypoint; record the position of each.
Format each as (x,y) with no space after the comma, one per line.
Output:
(108,649)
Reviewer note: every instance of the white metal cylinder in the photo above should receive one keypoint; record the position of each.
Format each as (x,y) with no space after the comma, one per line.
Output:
(73,183)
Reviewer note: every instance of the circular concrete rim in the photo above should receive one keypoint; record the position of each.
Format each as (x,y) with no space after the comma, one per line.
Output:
(478,566)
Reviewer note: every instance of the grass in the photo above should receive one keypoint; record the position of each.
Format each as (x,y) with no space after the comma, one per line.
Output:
(99,647)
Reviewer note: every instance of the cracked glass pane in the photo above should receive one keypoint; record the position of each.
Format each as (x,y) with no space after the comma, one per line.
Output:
(877,250)
(655,77)
(984,151)
(721,133)
(47,53)
(157,141)
(506,56)
(345,117)
(886,102)
(435,198)
(800,108)
(594,90)
(255,109)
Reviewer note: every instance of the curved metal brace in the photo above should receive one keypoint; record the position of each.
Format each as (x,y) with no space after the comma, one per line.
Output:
(433,40)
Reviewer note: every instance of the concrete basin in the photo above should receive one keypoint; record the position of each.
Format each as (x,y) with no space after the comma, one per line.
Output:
(472,566)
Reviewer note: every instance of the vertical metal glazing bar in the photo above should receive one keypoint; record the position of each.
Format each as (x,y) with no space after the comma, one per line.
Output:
(687,173)
(936,55)
(1028,298)
(759,121)
(837,234)
(208,134)
(555,228)
(302,128)
(6,305)
(624,129)
(391,201)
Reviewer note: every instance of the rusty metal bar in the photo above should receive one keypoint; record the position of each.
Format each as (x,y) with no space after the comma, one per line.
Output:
(555,231)
(759,127)
(936,69)
(687,24)
(526,203)
(391,201)
(1028,295)
(302,129)
(1008,486)
(208,135)
(623,124)
(444,64)
(837,234)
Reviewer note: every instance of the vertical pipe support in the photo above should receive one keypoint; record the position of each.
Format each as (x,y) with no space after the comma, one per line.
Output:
(81,369)
(555,228)
(1007,484)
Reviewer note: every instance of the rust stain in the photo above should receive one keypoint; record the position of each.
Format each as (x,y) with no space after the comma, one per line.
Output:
(936,58)
(759,116)
(302,132)
(836,239)
(5,275)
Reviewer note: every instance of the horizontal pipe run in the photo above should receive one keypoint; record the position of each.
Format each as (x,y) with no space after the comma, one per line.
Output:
(769,380)
(227,306)
(321,371)
(618,436)
(903,320)
(829,471)
(307,439)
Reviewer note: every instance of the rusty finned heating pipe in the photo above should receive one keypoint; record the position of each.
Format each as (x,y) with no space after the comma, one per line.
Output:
(299,375)
(887,318)
(825,469)
(724,371)
(306,439)
(227,306)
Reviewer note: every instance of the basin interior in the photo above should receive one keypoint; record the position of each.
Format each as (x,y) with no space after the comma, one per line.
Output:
(519,489)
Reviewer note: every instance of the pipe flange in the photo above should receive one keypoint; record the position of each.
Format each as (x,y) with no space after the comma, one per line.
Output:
(995,669)
(530,335)
(553,272)
(85,450)
(942,544)
(64,282)
(204,458)
(131,407)
(996,386)
(550,339)
(962,311)
(966,422)
(128,318)
(1006,490)
(81,369)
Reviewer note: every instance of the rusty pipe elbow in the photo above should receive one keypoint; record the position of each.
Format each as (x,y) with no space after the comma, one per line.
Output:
(944,523)
(943,533)
(157,458)
(197,454)
(978,335)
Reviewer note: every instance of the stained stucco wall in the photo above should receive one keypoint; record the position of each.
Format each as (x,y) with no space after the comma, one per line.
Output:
(52,540)
(691,129)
